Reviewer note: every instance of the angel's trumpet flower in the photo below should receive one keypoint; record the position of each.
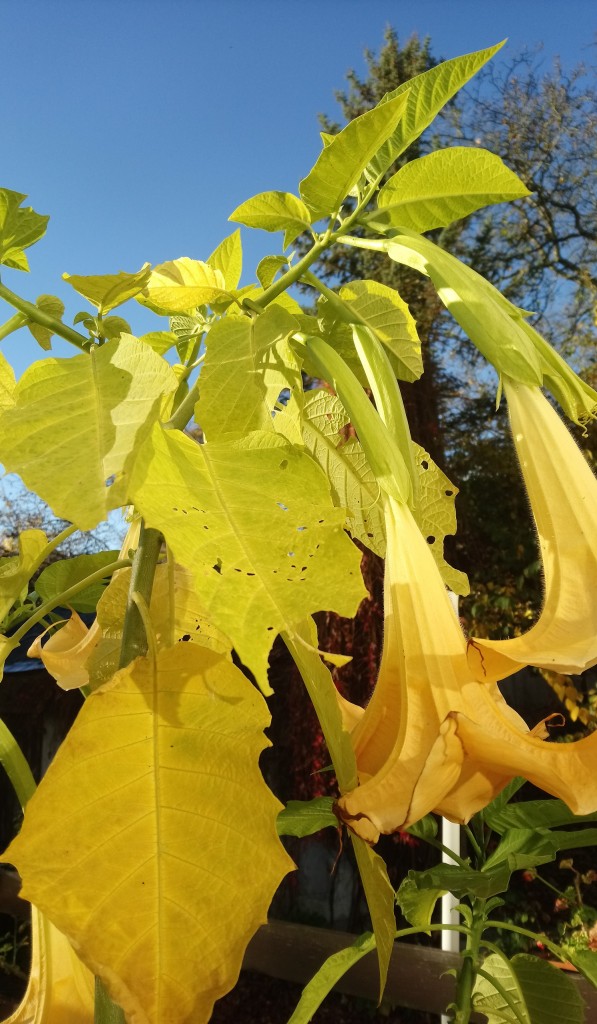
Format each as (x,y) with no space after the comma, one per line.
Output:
(437,734)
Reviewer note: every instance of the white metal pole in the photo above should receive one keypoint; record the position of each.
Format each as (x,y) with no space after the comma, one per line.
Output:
(450,838)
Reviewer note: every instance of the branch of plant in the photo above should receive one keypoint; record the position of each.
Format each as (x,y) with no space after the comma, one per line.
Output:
(39,316)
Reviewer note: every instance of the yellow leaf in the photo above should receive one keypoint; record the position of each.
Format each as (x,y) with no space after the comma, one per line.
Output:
(181,285)
(106,291)
(16,571)
(151,842)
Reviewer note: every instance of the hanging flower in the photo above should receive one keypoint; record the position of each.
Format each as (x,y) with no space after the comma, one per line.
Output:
(437,734)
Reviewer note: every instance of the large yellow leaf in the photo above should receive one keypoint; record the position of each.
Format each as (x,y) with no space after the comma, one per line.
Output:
(16,570)
(181,285)
(151,842)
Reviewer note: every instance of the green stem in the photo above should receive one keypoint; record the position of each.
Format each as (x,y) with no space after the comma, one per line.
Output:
(466,977)
(14,324)
(181,415)
(66,595)
(16,767)
(39,316)
(535,936)
(294,273)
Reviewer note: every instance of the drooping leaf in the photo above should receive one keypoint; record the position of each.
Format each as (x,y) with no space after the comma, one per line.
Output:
(436,516)
(274,211)
(216,503)
(538,993)
(106,291)
(305,817)
(20,227)
(322,983)
(426,94)
(585,961)
(342,162)
(445,186)
(380,901)
(416,904)
(17,570)
(178,286)
(151,813)
(55,307)
(248,363)
(533,814)
(76,422)
(227,258)
(59,576)
(7,384)
(528,847)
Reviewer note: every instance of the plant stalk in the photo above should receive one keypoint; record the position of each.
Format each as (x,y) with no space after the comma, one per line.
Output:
(39,316)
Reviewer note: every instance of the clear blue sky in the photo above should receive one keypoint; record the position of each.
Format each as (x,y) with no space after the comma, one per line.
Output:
(139,126)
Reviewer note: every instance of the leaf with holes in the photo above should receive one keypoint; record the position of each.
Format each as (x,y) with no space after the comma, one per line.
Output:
(248,363)
(180,868)
(75,424)
(255,525)
(436,516)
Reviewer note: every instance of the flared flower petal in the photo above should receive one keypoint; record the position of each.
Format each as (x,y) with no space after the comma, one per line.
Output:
(60,988)
(436,735)
(563,494)
(66,652)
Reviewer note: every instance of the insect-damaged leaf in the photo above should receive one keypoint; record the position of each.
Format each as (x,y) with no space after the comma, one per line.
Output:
(255,525)
(20,227)
(159,769)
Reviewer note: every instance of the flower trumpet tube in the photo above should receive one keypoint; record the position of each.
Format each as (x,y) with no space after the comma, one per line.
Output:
(437,734)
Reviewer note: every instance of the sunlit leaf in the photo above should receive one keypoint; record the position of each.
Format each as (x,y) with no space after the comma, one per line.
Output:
(170,770)
(59,576)
(106,291)
(7,384)
(268,267)
(16,570)
(274,211)
(227,257)
(160,341)
(55,307)
(20,227)
(342,162)
(445,186)
(178,286)
(436,516)
(215,504)
(426,94)
(76,423)
(248,362)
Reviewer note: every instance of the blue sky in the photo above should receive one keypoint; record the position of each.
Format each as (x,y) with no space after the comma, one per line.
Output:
(139,126)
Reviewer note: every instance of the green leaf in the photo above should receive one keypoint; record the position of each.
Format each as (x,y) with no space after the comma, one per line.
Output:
(463,881)
(255,525)
(480,309)
(7,384)
(274,211)
(416,904)
(76,422)
(59,576)
(55,307)
(445,186)
(533,814)
(304,817)
(436,516)
(383,310)
(322,983)
(160,341)
(135,851)
(249,361)
(380,898)
(178,286)
(17,570)
(268,267)
(426,95)
(112,327)
(106,291)
(19,228)
(227,257)
(342,459)
(538,993)
(585,961)
(425,828)
(342,162)
(528,847)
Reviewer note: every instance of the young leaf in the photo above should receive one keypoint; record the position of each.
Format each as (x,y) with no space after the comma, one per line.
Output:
(55,307)
(254,523)
(20,227)
(445,186)
(322,983)
(127,816)
(106,291)
(76,422)
(7,384)
(160,341)
(417,905)
(380,898)
(342,162)
(248,362)
(61,575)
(426,95)
(268,267)
(305,817)
(16,570)
(180,285)
(538,993)
(274,211)
(227,258)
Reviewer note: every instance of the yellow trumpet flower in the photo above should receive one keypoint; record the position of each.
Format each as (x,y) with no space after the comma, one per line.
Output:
(437,734)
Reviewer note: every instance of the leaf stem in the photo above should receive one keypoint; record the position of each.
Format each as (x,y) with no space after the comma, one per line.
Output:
(14,324)
(134,639)
(184,412)
(15,765)
(39,316)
